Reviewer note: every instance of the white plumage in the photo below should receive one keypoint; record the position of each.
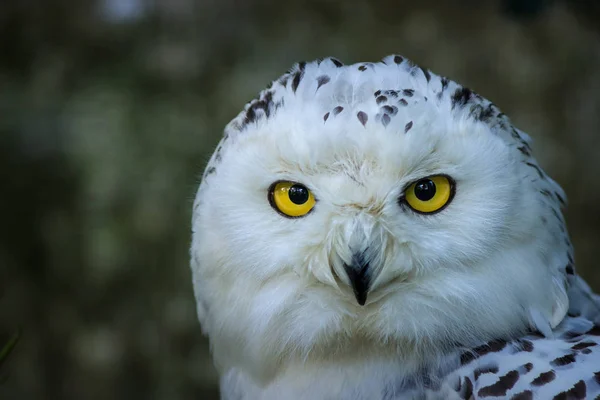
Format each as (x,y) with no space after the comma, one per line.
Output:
(365,295)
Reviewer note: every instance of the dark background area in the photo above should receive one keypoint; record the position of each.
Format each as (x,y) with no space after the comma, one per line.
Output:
(109,110)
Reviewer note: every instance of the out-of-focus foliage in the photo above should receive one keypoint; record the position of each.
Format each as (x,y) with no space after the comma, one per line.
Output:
(109,110)
(7,348)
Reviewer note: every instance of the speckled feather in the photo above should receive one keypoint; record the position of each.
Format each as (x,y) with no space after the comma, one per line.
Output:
(559,357)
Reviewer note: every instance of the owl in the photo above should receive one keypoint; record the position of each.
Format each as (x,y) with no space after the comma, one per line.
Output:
(375,231)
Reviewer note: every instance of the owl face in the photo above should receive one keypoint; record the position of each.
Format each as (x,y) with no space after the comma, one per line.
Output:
(334,219)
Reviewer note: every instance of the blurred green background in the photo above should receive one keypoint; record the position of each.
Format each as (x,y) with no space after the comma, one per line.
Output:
(109,110)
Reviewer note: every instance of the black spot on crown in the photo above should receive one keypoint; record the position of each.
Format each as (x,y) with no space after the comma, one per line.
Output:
(362,117)
(426,73)
(322,80)
(297,78)
(392,110)
(336,62)
(461,97)
(444,82)
(385,119)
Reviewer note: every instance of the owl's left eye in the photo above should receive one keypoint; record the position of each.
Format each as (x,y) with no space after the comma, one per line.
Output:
(291,199)
(430,194)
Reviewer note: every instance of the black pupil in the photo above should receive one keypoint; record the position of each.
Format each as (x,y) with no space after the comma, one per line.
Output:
(298,194)
(425,189)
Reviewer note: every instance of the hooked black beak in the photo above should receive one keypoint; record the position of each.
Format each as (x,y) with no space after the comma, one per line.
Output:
(359,274)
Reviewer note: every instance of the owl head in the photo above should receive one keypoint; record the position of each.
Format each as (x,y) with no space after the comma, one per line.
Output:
(374,208)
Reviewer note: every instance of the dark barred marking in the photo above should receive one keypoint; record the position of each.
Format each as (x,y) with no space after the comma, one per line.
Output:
(485,370)
(338,110)
(578,391)
(403,102)
(444,81)
(524,395)
(408,92)
(250,116)
(544,378)
(539,171)
(398,59)
(408,126)
(586,351)
(325,116)
(377,93)
(597,376)
(362,68)
(362,117)
(528,367)
(560,199)
(381,99)
(526,345)
(564,360)
(570,335)
(569,269)
(461,97)
(487,113)
(494,346)
(558,217)
(426,73)
(503,385)
(467,389)
(322,80)
(595,331)
(524,150)
(584,345)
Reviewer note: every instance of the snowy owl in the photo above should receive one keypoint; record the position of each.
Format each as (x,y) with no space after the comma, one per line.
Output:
(375,231)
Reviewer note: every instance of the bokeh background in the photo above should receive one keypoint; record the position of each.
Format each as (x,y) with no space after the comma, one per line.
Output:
(109,110)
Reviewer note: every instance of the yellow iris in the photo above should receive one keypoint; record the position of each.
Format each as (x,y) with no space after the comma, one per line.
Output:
(291,199)
(430,194)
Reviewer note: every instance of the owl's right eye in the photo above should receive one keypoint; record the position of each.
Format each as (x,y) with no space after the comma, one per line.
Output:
(291,199)
(429,195)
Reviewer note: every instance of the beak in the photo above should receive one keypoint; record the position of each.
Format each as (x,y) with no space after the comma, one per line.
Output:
(359,273)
